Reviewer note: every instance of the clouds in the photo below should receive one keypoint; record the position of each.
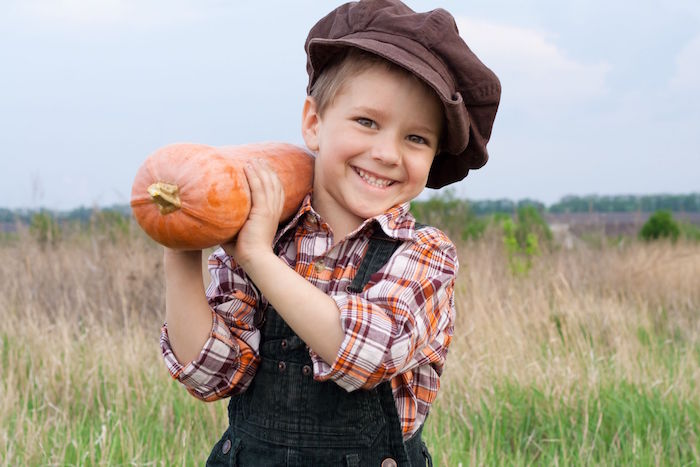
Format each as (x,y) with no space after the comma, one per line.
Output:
(95,14)
(577,120)
(533,69)
(686,76)
(74,11)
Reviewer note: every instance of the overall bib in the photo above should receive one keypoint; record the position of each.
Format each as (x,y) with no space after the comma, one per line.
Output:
(285,418)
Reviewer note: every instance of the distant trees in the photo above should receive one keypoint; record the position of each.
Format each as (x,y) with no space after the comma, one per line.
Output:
(628,203)
(485,207)
(81,215)
(457,213)
(568,204)
(48,226)
(6,215)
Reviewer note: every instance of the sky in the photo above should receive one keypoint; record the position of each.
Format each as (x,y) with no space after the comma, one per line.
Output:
(599,97)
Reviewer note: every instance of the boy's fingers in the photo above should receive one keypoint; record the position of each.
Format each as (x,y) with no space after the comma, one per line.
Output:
(264,175)
(267,175)
(264,183)
(252,177)
(268,178)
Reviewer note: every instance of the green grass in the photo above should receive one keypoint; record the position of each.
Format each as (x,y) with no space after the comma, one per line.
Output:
(103,415)
(155,422)
(620,424)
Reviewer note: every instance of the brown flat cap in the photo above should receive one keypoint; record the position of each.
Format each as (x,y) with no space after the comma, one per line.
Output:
(429,46)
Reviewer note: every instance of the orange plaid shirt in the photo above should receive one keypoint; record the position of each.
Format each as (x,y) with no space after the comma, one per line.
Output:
(398,328)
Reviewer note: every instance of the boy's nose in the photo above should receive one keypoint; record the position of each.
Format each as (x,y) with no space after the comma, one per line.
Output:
(386,150)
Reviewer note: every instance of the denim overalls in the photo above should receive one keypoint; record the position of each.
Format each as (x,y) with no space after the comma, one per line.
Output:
(286,418)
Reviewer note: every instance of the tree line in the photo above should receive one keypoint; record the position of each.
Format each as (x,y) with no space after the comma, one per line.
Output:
(628,203)
(575,204)
(594,204)
(81,215)
(568,204)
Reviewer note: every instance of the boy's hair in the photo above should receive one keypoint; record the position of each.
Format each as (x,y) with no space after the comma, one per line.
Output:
(349,63)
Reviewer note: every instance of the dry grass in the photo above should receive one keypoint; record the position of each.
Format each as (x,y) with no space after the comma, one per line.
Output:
(583,323)
(83,383)
(575,309)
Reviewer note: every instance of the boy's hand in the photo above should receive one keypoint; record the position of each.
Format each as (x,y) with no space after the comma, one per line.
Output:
(267,201)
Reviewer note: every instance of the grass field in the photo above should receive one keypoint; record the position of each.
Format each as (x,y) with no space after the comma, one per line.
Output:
(591,358)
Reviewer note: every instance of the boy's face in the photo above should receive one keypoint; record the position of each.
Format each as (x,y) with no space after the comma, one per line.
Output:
(375,144)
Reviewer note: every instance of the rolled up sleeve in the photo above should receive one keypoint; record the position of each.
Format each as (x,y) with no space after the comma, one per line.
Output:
(229,358)
(399,322)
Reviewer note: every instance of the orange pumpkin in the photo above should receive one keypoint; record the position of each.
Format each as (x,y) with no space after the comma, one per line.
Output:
(192,196)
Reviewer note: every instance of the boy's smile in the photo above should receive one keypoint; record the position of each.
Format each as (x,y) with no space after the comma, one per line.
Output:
(375,144)
(373,179)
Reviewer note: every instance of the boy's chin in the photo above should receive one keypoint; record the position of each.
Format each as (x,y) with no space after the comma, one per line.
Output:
(369,211)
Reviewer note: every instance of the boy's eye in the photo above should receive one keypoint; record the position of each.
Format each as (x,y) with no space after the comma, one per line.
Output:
(366,122)
(417,139)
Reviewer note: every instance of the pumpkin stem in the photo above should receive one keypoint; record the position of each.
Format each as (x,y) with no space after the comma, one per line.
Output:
(166,196)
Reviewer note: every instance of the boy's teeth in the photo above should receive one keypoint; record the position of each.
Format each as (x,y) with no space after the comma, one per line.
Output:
(378,182)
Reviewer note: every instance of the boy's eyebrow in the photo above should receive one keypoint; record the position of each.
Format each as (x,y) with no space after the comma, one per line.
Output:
(371,111)
(375,112)
(426,129)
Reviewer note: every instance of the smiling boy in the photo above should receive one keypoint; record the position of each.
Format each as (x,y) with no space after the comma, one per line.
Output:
(330,332)
(375,144)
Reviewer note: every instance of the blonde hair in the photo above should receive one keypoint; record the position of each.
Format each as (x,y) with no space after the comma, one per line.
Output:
(349,63)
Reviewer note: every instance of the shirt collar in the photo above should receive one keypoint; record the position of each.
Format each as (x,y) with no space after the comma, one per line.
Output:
(397,222)
(301,212)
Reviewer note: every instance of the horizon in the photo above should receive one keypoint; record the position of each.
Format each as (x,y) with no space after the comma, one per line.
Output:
(437,194)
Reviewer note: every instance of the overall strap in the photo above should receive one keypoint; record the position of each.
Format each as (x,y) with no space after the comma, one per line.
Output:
(381,247)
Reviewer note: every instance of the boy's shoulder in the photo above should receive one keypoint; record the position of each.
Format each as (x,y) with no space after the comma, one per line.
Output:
(432,238)
(428,254)
(400,224)
(424,242)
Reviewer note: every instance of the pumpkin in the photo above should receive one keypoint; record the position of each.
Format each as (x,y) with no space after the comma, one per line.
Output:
(193,196)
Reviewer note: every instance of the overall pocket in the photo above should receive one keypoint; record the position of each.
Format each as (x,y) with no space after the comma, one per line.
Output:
(285,405)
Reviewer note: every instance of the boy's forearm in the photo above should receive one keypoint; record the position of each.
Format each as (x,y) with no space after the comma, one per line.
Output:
(312,314)
(186,309)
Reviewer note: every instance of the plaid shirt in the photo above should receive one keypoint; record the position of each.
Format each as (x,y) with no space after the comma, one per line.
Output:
(398,328)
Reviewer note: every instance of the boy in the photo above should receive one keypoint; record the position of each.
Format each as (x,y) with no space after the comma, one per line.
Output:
(330,333)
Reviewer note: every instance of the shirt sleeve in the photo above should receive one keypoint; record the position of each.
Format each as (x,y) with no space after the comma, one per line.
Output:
(400,322)
(230,356)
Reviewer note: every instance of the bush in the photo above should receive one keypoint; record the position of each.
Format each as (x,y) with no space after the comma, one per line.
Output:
(44,228)
(457,218)
(660,225)
(109,222)
(689,231)
(474,228)
(452,215)
(522,239)
(531,222)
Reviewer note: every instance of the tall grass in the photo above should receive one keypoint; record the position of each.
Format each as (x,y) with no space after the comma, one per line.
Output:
(593,357)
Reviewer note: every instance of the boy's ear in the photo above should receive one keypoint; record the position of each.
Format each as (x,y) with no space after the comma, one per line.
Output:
(310,120)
